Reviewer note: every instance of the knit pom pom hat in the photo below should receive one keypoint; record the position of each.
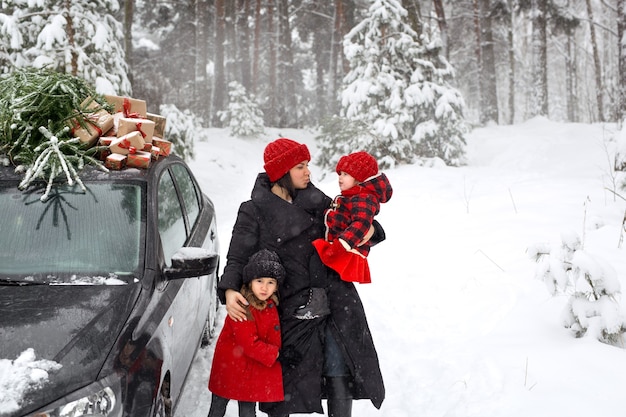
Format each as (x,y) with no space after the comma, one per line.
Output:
(360,165)
(263,264)
(283,154)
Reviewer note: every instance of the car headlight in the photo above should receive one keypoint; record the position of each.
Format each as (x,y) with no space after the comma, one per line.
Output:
(92,401)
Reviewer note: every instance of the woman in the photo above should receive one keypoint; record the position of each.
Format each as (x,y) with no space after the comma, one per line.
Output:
(328,352)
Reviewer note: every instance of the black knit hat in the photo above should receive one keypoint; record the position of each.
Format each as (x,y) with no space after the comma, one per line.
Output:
(263,264)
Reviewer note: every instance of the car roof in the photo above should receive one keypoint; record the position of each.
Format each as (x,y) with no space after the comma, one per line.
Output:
(92,173)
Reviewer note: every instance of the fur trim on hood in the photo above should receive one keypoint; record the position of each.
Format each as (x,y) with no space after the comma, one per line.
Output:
(253,300)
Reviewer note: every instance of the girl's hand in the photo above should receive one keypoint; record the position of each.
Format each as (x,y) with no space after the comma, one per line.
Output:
(234,305)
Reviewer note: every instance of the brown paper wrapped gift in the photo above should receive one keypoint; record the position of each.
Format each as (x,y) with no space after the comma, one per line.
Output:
(155,151)
(123,144)
(165,146)
(131,107)
(159,124)
(138,159)
(115,161)
(97,123)
(143,126)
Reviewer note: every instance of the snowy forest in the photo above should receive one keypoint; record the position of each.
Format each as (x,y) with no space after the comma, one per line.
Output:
(401,78)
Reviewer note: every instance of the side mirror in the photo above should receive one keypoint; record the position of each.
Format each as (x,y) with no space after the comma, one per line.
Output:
(190,262)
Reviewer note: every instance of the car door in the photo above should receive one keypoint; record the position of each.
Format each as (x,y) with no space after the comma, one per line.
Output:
(180,207)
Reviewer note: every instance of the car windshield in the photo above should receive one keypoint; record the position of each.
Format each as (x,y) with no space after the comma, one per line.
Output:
(74,237)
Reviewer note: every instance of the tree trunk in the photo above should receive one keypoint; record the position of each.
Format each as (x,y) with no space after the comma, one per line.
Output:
(244,43)
(288,107)
(489,94)
(336,55)
(570,77)
(272,111)
(596,61)
(413,9)
(232,58)
(128,36)
(69,30)
(621,47)
(443,26)
(219,89)
(540,55)
(511,48)
(202,40)
(256,52)
(478,54)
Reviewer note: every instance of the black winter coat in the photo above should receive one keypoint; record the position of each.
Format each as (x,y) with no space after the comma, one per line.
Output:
(267,221)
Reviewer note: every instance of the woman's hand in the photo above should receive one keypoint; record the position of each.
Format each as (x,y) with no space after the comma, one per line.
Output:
(367,236)
(234,305)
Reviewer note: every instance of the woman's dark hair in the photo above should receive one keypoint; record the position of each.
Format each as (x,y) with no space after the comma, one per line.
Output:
(286,183)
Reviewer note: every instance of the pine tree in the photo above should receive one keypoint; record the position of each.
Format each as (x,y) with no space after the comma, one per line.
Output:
(399,85)
(244,116)
(81,38)
(181,129)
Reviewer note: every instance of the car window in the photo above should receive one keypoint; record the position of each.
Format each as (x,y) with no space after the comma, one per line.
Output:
(171,222)
(74,236)
(188,191)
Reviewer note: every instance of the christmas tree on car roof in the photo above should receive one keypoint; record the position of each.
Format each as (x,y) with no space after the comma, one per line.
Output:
(52,124)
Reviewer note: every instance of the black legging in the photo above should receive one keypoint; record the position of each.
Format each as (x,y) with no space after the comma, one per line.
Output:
(218,407)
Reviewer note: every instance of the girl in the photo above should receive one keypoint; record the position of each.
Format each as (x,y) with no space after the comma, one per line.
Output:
(245,366)
(351,215)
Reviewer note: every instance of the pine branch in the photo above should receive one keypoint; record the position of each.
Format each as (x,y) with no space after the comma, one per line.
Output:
(38,107)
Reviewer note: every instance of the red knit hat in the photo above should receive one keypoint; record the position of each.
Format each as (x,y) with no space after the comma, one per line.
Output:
(282,155)
(360,165)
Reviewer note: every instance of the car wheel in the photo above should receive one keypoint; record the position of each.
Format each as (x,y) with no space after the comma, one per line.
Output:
(163,402)
(209,325)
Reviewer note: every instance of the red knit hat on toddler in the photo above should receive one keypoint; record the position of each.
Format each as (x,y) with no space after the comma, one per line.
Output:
(283,154)
(359,165)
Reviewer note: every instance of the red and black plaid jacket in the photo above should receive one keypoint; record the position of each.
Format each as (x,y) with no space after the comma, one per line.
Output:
(352,212)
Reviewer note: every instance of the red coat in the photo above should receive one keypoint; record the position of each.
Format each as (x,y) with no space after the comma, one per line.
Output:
(245,365)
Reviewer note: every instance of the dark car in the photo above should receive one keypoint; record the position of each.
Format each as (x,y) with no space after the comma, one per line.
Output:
(116,284)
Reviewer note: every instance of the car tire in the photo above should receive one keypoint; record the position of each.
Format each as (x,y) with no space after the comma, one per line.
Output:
(209,325)
(163,403)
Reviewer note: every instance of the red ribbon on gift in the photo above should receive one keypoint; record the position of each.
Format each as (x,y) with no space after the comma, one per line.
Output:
(124,144)
(138,124)
(92,121)
(127,112)
(132,150)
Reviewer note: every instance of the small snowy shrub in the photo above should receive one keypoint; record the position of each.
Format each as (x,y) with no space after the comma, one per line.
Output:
(591,283)
(244,117)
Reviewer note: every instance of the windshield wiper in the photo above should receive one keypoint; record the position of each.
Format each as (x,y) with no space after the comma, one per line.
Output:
(10,282)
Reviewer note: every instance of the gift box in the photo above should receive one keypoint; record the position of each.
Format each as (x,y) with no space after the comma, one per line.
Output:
(97,123)
(115,161)
(165,146)
(155,151)
(123,144)
(138,159)
(159,124)
(143,126)
(130,107)
(105,141)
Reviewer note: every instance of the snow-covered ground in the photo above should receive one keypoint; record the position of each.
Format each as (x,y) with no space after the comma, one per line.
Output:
(462,326)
